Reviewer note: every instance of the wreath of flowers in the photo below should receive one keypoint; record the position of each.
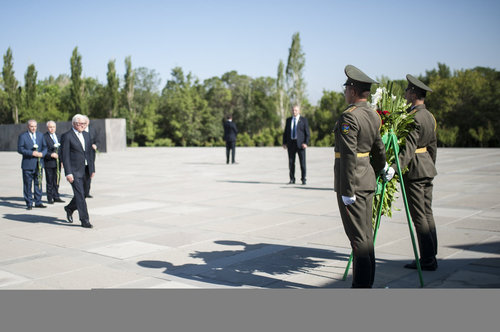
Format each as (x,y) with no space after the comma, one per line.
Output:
(398,121)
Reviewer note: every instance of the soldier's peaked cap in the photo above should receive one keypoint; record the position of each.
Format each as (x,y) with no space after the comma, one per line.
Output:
(415,82)
(357,77)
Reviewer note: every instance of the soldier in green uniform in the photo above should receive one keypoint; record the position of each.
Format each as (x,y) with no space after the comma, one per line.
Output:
(359,154)
(419,154)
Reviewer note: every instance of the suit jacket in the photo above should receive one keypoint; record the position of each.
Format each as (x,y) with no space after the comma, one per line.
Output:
(74,156)
(302,130)
(357,132)
(230,131)
(49,161)
(420,165)
(25,146)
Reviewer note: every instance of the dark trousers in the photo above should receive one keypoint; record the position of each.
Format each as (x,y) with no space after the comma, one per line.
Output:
(88,180)
(52,187)
(230,146)
(419,195)
(292,151)
(78,201)
(30,177)
(357,221)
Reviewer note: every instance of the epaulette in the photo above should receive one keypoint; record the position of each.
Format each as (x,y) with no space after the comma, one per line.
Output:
(350,109)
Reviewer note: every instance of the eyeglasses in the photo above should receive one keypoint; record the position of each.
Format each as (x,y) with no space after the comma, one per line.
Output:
(80,123)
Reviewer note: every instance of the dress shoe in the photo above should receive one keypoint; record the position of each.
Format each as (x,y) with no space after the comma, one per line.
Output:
(89,196)
(303,181)
(291,182)
(40,206)
(69,214)
(58,200)
(87,225)
(29,208)
(50,201)
(431,266)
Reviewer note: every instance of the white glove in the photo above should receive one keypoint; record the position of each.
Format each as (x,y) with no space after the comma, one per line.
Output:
(348,200)
(388,172)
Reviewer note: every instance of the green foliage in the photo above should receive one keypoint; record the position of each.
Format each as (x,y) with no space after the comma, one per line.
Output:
(447,136)
(186,112)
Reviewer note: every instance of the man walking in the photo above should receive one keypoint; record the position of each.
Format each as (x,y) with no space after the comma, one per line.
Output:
(78,165)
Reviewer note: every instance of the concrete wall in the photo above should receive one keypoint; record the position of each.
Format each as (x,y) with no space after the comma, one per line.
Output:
(111,133)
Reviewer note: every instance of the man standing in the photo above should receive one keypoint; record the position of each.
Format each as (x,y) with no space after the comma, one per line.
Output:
(230,132)
(52,163)
(357,138)
(296,139)
(94,141)
(32,146)
(78,165)
(419,154)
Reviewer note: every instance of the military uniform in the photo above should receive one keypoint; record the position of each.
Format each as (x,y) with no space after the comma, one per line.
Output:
(419,154)
(359,154)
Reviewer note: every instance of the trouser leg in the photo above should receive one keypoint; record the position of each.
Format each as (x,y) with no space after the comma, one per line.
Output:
(357,221)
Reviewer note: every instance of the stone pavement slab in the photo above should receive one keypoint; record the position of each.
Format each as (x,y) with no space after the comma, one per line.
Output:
(183,218)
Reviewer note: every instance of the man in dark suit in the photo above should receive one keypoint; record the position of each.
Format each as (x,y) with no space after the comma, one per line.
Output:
(359,155)
(295,140)
(94,141)
(78,165)
(52,163)
(32,146)
(419,154)
(230,132)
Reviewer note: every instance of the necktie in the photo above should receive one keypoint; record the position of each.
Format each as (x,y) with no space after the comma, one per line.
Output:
(33,137)
(54,138)
(294,136)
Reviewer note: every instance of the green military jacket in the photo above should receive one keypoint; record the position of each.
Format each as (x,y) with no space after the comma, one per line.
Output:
(419,153)
(357,138)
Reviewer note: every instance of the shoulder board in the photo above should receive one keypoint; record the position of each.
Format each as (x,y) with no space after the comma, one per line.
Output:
(350,109)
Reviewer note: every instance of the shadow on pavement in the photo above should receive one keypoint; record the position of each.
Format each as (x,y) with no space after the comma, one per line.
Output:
(259,265)
(31,218)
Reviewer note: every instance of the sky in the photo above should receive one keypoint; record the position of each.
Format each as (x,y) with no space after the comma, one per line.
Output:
(209,38)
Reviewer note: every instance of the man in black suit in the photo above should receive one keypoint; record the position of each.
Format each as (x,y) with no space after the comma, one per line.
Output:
(230,132)
(78,165)
(94,141)
(52,163)
(296,139)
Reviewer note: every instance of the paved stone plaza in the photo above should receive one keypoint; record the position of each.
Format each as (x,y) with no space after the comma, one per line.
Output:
(182,218)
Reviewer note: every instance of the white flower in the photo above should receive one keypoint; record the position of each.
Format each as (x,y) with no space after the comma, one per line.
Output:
(377,97)
(35,146)
(57,145)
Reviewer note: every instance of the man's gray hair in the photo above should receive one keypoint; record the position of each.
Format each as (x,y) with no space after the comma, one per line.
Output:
(51,122)
(76,117)
(31,121)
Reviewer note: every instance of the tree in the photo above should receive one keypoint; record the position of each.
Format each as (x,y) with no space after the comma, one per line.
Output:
(281,93)
(112,91)
(30,86)
(294,72)
(127,95)
(76,82)
(10,85)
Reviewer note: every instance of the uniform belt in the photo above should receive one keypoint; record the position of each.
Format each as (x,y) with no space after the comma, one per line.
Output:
(359,154)
(421,150)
